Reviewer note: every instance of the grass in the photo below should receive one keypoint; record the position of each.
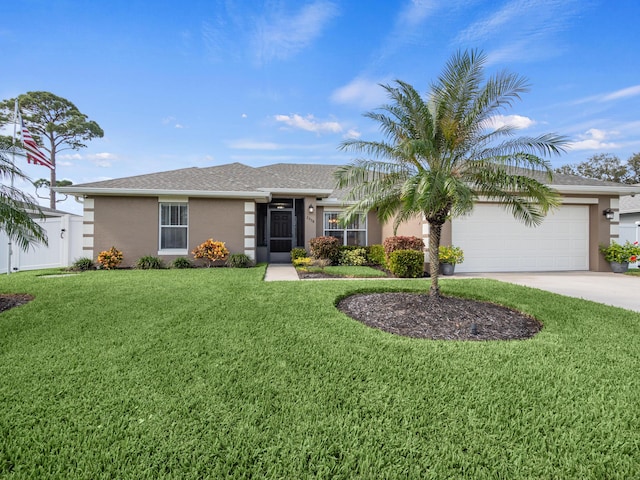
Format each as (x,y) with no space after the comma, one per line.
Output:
(348,271)
(633,272)
(212,373)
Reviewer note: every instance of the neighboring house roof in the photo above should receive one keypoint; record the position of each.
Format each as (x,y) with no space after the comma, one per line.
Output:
(49,212)
(236,180)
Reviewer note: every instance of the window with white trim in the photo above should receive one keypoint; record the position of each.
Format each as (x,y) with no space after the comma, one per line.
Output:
(174,226)
(355,233)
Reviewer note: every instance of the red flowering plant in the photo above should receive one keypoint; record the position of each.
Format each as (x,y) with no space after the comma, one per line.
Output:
(211,251)
(627,253)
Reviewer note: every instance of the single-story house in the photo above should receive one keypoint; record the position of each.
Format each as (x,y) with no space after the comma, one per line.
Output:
(266,211)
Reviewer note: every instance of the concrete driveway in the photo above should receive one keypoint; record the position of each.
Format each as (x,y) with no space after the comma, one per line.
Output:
(608,288)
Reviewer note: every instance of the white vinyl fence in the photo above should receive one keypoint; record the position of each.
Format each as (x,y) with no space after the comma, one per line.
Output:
(65,246)
(631,233)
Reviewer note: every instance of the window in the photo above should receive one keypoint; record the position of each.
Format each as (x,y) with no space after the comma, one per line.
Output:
(354,233)
(173,227)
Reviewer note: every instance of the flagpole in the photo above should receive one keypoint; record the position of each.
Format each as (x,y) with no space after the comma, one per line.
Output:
(13,164)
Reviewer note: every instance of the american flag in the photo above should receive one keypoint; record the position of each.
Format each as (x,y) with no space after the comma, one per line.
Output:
(34,155)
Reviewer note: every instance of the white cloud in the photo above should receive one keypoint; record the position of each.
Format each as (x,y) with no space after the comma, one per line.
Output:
(352,134)
(283,36)
(416,12)
(68,156)
(521,29)
(252,145)
(102,159)
(623,93)
(244,115)
(594,139)
(517,121)
(308,123)
(102,156)
(360,92)
(172,121)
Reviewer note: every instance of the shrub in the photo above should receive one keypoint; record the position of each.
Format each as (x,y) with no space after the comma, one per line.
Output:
(391,244)
(149,263)
(452,255)
(181,262)
(211,251)
(375,255)
(298,253)
(629,252)
(325,248)
(406,263)
(83,264)
(302,262)
(239,260)
(353,256)
(109,259)
(321,263)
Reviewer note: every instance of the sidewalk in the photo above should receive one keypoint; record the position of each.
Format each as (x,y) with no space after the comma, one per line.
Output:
(278,272)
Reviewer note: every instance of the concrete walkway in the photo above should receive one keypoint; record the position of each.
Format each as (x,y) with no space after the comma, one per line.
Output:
(608,288)
(278,272)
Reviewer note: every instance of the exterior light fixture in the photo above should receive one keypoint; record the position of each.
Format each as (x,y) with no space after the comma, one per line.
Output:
(608,213)
(311,209)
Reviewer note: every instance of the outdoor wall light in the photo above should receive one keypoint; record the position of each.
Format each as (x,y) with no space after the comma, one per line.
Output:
(311,209)
(608,213)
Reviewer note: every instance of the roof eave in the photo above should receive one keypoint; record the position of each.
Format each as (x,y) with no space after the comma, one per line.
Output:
(596,189)
(144,192)
(308,192)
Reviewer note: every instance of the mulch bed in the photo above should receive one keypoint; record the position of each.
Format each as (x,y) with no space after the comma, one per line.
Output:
(8,301)
(444,318)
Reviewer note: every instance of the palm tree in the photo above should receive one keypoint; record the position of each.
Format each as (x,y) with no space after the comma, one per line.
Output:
(441,153)
(17,208)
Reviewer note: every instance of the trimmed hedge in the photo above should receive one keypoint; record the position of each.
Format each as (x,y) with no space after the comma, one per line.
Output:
(376,255)
(406,263)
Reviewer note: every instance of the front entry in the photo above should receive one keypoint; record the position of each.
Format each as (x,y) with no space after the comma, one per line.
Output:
(280,235)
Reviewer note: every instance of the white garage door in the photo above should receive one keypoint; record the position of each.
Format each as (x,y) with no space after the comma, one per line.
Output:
(494,241)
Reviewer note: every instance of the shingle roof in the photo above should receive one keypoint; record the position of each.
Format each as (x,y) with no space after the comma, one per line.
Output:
(229,177)
(237,177)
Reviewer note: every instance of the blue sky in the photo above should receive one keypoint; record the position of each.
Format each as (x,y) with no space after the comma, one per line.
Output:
(210,82)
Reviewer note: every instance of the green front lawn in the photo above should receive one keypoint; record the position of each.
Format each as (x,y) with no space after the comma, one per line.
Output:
(347,271)
(213,373)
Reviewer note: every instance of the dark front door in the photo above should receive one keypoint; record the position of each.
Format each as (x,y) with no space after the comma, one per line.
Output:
(280,235)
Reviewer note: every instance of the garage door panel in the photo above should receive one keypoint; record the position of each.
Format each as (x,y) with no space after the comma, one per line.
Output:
(493,241)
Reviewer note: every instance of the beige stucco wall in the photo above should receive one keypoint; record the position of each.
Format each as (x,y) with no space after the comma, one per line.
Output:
(222,220)
(128,223)
(131,224)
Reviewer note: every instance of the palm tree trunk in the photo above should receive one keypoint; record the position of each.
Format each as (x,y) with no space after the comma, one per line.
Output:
(435,230)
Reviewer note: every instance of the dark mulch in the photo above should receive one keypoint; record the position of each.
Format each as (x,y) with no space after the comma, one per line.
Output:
(445,318)
(8,301)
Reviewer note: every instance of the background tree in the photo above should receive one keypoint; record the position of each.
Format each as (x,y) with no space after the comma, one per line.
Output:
(55,123)
(633,169)
(44,183)
(441,153)
(607,167)
(16,207)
